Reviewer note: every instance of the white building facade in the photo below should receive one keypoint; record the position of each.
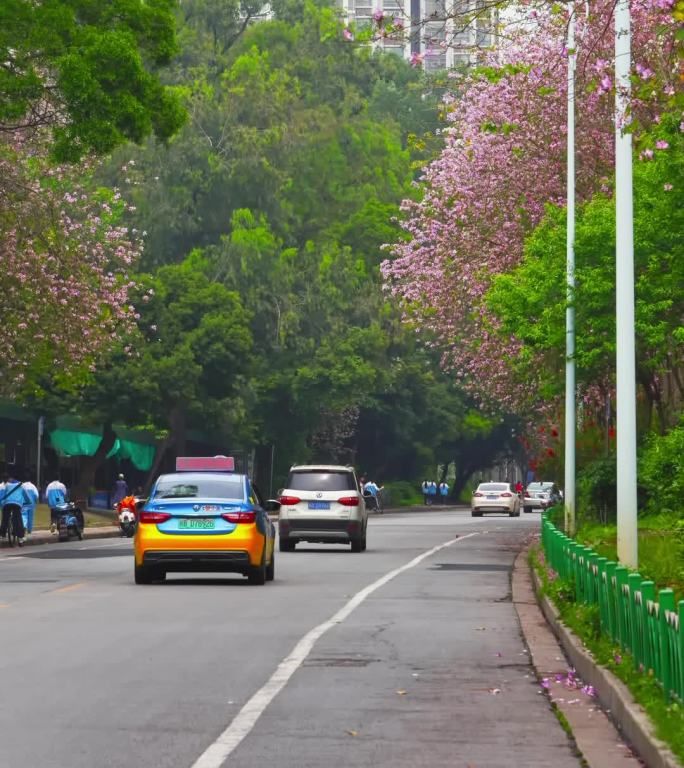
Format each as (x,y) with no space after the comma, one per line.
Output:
(442,34)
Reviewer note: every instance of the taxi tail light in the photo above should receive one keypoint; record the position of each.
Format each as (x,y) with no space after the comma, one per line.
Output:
(289,501)
(154,517)
(239,517)
(506,495)
(349,501)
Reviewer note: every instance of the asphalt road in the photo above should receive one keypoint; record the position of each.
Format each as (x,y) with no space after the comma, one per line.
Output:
(426,668)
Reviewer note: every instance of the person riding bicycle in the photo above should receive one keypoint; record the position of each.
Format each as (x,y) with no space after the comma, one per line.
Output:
(13,498)
(372,491)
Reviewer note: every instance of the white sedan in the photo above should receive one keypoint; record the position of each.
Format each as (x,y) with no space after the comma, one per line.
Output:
(495,497)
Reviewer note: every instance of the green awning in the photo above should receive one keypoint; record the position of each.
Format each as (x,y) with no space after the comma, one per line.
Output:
(68,442)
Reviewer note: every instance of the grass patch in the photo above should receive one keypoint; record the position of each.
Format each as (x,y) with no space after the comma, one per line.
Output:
(41,520)
(584,621)
(661,548)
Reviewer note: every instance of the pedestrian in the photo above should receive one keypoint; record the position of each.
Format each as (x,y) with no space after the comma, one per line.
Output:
(372,488)
(425,488)
(55,495)
(28,510)
(11,501)
(120,491)
(432,492)
(362,483)
(443,491)
(519,488)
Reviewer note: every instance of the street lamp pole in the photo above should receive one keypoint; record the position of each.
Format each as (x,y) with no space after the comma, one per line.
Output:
(624,291)
(570,408)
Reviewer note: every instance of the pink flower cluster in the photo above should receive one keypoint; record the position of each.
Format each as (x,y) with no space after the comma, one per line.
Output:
(503,162)
(65,259)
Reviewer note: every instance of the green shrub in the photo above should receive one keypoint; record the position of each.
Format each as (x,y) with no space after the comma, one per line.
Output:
(661,472)
(401,493)
(597,489)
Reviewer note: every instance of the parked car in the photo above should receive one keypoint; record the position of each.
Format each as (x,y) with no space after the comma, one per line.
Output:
(541,495)
(495,497)
(322,503)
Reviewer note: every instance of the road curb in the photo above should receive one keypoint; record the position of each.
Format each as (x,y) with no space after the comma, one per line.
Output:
(38,538)
(629,717)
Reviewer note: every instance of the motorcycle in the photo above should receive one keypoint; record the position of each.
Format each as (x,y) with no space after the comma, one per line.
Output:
(127,510)
(70,521)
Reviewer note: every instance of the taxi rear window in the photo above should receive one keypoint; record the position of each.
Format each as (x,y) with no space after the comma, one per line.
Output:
(197,487)
(321,481)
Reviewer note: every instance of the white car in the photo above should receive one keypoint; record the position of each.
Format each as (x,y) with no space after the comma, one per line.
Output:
(495,497)
(322,503)
(541,496)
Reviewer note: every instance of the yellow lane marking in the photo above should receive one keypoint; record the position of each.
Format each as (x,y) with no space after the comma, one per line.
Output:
(68,588)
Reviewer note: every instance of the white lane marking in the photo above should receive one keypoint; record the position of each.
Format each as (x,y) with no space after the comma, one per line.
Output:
(12,558)
(246,718)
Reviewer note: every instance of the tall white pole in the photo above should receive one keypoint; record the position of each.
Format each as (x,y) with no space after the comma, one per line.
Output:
(570,416)
(624,288)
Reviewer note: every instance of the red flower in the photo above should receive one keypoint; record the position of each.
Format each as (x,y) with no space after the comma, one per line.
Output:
(611,432)
(554,432)
(550,452)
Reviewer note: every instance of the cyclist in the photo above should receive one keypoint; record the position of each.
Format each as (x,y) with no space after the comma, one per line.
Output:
(375,491)
(12,500)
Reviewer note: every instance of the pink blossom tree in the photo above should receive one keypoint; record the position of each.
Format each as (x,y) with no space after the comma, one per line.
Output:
(503,162)
(64,258)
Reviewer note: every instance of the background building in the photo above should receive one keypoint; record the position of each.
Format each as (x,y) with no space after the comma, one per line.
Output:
(445,33)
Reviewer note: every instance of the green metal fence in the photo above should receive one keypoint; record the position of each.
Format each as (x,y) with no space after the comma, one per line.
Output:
(649,629)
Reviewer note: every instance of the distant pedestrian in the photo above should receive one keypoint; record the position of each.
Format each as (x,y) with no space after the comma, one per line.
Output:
(28,511)
(120,491)
(443,491)
(432,492)
(519,488)
(55,495)
(425,488)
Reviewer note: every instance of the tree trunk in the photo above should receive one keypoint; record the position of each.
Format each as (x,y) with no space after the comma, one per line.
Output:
(90,464)
(175,439)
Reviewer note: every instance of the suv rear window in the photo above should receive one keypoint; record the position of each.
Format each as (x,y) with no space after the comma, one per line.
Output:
(321,481)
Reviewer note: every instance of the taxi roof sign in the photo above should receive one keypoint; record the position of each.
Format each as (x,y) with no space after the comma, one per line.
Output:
(205,464)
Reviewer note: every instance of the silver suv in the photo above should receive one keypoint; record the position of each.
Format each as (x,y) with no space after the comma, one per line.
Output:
(322,503)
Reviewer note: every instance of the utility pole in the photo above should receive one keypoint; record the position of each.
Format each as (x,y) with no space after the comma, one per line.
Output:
(570,414)
(627,544)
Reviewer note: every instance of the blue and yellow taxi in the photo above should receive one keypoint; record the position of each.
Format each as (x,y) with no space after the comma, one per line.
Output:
(204,517)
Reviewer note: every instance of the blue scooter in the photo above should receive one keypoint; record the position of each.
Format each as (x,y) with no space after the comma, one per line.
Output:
(70,522)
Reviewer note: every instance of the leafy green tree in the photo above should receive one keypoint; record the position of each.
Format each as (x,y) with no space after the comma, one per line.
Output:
(84,69)
(530,300)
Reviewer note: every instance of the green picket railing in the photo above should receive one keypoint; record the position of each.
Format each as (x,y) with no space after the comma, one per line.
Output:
(649,628)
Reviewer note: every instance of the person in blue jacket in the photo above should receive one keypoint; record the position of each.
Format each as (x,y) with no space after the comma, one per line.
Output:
(28,510)
(12,499)
(56,495)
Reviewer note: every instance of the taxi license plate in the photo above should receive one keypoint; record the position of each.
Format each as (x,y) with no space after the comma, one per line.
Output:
(196,523)
(319,505)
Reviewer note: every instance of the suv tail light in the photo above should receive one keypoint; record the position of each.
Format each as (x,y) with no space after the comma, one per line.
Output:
(349,501)
(506,495)
(154,517)
(289,501)
(239,517)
